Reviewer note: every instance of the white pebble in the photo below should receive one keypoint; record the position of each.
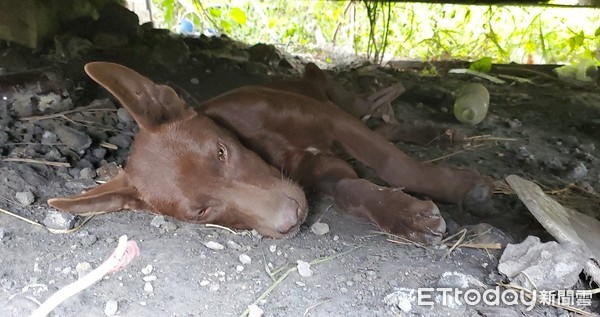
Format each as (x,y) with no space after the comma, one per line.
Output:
(245,259)
(204,283)
(25,198)
(214,245)
(304,268)
(111,307)
(319,228)
(148,269)
(214,287)
(255,311)
(149,278)
(239,268)
(148,288)
(272,248)
(194,81)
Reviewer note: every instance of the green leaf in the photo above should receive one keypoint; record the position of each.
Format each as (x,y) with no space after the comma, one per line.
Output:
(597,32)
(214,12)
(238,16)
(483,65)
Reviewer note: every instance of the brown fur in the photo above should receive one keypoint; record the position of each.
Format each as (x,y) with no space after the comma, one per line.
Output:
(228,160)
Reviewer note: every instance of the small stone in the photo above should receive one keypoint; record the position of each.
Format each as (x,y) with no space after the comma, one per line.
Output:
(234,245)
(214,245)
(121,140)
(578,172)
(194,81)
(245,259)
(169,226)
(1,233)
(272,248)
(99,153)
(157,221)
(149,278)
(87,172)
(111,307)
(204,283)
(254,311)
(148,288)
(214,287)
(304,268)
(59,220)
(402,298)
(83,268)
(239,268)
(124,116)
(147,270)
(25,198)
(319,228)
(459,280)
(74,139)
(49,138)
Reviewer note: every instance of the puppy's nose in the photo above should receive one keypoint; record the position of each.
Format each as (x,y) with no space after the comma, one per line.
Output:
(288,216)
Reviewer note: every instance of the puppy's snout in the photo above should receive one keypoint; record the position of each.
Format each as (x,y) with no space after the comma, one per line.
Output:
(289,216)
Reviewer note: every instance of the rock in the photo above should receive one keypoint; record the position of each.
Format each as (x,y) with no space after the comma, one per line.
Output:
(169,226)
(319,228)
(25,198)
(549,266)
(149,278)
(402,298)
(239,268)
(204,283)
(245,259)
(59,220)
(194,81)
(158,221)
(49,138)
(108,171)
(578,172)
(234,245)
(148,288)
(122,141)
(3,138)
(73,139)
(1,233)
(459,280)
(214,245)
(124,115)
(147,270)
(87,172)
(111,307)
(255,311)
(304,268)
(99,153)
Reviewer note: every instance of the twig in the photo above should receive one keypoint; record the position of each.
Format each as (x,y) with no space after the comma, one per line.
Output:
(489,138)
(62,114)
(108,145)
(493,246)
(114,262)
(211,225)
(308,309)
(456,152)
(462,233)
(493,79)
(290,270)
(33,161)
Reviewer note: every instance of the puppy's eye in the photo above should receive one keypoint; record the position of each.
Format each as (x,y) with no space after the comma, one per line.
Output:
(222,153)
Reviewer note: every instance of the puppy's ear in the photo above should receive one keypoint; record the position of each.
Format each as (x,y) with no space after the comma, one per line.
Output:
(114,195)
(150,104)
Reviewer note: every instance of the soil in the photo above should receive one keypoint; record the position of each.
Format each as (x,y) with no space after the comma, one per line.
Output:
(546,130)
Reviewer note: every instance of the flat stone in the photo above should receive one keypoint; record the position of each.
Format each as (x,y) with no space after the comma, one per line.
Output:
(536,265)
(158,221)
(111,307)
(304,268)
(59,220)
(245,259)
(214,245)
(319,228)
(25,198)
(73,139)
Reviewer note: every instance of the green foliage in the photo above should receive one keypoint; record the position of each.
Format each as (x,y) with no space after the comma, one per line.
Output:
(382,30)
(483,65)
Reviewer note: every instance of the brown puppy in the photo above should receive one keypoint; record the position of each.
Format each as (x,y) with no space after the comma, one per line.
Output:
(227,161)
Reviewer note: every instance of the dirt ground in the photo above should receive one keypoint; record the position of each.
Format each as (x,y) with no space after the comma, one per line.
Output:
(545,130)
